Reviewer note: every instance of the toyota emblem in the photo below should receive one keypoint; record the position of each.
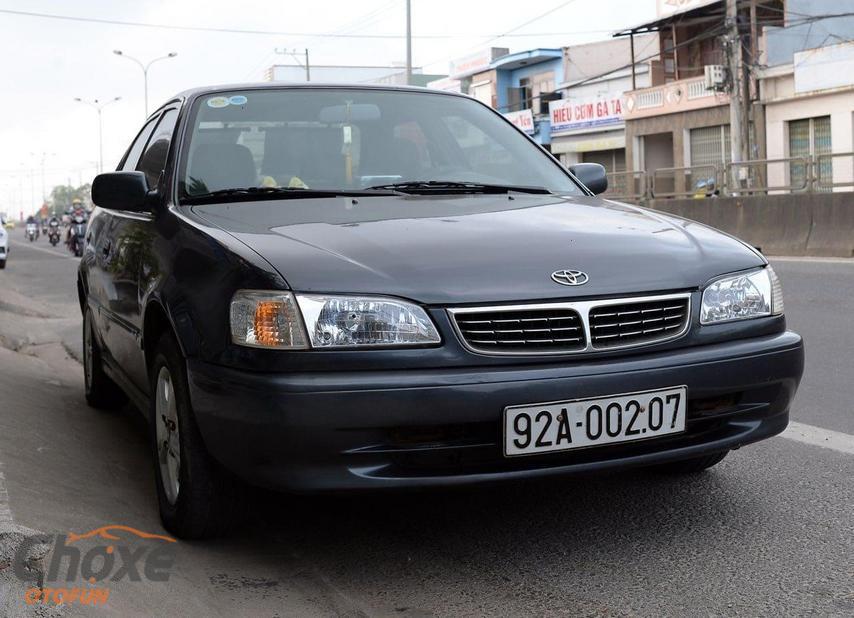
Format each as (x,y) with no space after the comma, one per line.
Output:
(570,277)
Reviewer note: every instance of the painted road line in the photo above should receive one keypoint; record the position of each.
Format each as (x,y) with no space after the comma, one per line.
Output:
(816,260)
(56,251)
(816,436)
(5,511)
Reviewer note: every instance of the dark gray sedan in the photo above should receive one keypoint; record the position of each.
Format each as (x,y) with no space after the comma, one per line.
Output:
(341,288)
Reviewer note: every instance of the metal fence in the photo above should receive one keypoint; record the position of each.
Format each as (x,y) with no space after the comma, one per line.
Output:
(627,186)
(816,174)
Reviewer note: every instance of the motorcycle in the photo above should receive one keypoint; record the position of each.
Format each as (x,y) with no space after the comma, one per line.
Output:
(53,234)
(78,235)
(32,231)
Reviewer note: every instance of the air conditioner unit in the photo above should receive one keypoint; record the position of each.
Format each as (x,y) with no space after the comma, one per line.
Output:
(716,76)
(545,97)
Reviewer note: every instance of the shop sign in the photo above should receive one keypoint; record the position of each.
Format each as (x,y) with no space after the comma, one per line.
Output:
(523,119)
(577,114)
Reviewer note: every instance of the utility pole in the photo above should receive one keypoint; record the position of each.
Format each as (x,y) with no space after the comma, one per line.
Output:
(408,42)
(739,121)
(306,66)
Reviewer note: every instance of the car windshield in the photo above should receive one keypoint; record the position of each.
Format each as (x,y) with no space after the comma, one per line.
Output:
(339,139)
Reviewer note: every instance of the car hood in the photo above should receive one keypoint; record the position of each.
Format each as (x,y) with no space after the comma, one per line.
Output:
(478,248)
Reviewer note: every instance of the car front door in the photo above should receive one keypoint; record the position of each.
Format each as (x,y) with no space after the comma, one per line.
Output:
(100,257)
(132,236)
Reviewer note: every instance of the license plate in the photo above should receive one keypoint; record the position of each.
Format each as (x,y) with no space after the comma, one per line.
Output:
(581,423)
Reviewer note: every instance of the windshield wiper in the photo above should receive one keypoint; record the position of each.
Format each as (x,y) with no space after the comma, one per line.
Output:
(284,192)
(439,186)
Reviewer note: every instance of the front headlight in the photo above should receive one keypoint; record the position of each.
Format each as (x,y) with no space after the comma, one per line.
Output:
(281,320)
(362,321)
(743,296)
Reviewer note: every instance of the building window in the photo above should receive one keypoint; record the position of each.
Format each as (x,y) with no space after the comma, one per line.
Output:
(810,137)
(482,91)
(526,93)
(611,160)
(614,161)
(710,145)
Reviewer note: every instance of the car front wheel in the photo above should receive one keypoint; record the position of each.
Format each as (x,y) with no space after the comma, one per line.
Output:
(197,498)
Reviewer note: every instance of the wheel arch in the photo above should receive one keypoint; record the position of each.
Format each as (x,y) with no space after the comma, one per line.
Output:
(157,322)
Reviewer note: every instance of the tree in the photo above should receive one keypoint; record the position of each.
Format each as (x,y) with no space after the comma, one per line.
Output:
(62,196)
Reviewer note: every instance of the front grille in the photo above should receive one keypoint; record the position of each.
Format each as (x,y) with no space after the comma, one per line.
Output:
(634,323)
(570,327)
(523,330)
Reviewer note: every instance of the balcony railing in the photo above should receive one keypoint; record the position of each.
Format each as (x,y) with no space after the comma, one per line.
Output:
(679,96)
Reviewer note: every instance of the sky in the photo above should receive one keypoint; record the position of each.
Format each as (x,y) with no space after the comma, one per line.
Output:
(47,63)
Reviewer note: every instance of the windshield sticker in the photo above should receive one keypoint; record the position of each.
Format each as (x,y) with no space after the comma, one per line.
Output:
(218,102)
(237,99)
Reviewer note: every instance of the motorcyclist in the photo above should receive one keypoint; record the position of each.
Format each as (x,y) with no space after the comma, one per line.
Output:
(77,230)
(53,230)
(77,211)
(32,224)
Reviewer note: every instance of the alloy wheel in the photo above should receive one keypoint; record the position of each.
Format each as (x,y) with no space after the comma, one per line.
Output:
(167,435)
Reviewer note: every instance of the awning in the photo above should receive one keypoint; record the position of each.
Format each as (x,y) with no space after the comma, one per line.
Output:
(588,142)
(703,12)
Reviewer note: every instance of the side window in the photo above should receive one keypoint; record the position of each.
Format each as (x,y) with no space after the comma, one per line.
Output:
(136,148)
(153,160)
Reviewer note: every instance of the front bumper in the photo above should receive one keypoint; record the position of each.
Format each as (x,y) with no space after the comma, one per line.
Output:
(363,430)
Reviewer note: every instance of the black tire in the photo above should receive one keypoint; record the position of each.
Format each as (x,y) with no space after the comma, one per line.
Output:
(208,500)
(695,465)
(2,264)
(101,391)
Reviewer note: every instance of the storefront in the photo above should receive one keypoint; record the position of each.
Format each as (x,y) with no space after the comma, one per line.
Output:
(589,130)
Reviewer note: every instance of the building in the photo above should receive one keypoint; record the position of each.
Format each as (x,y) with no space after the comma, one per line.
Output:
(471,75)
(524,84)
(587,124)
(518,85)
(366,74)
(676,124)
(807,88)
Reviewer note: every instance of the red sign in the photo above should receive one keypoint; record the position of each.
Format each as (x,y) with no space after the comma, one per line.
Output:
(523,119)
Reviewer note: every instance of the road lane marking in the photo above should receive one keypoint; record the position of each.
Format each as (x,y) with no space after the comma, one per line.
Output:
(5,511)
(54,252)
(817,436)
(816,260)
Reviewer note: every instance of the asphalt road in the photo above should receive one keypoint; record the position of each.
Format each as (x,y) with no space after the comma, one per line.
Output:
(770,531)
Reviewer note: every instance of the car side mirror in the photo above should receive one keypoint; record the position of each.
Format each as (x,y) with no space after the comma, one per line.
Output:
(592,175)
(121,191)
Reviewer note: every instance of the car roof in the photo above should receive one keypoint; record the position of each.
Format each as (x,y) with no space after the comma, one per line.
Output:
(192,93)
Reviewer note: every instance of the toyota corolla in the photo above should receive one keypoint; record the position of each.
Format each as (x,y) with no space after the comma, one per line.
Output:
(327,288)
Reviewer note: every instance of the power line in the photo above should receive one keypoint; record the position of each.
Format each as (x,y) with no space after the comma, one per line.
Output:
(506,34)
(281,33)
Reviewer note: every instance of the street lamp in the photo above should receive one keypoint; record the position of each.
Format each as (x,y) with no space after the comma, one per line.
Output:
(98,105)
(144,68)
